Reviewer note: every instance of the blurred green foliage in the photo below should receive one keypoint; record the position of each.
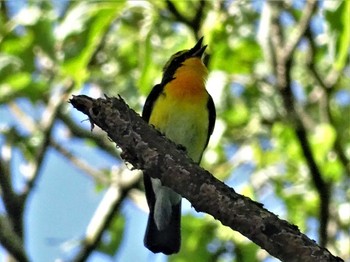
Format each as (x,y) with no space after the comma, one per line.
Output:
(120,47)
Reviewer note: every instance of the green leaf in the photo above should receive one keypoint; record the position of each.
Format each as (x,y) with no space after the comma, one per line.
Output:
(94,19)
(20,49)
(43,31)
(113,236)
(344,36)
(246,252)
(340,24)
(286,141)
(238,58)
(12,85)
(197,233)
(19,80)
(322,141)
(147,67)
(238,115)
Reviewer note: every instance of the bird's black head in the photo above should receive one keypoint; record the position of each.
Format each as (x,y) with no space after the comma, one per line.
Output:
(178,58)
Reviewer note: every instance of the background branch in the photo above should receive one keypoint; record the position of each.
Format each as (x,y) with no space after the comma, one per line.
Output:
(300,28)
(194,22)
(327,88)
(10,234)
(104,215)
(11,200)
(284,58)
(82,133)
(48,120)
(11,241)
(15,202)
(97,175)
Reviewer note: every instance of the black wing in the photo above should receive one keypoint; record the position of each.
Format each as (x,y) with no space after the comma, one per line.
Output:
(146,114)
(152,97)
(212,117)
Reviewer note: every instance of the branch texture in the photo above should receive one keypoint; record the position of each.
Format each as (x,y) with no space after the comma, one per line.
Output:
(146,149)
(11,241)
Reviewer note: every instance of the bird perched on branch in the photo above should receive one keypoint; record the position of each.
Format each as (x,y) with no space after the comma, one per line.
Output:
(181,108)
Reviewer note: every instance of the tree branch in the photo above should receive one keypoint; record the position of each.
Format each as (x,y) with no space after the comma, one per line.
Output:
(327,87)
(98,175)
(300,28)
(46,125)
(194,22)
(12,201)
(146,149)
(15,203)
(11,241)
(284,58)
(104,215)
(172,8)
(198,17)
(83,133)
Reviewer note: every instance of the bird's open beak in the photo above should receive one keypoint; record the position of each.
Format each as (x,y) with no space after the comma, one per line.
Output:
(198,49)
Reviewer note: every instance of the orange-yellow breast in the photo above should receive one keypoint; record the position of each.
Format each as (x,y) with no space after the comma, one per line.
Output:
(180,112)
(189,81)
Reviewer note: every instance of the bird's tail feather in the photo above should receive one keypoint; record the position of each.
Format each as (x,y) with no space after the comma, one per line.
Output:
(168,240)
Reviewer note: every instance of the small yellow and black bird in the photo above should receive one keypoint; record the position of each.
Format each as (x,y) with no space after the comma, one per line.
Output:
(182,109)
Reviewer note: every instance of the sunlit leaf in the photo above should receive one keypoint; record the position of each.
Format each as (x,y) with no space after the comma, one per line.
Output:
(340,24)
(238,58)
(322,141)
(95,19)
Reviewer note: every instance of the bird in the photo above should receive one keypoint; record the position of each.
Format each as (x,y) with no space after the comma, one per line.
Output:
(181,108)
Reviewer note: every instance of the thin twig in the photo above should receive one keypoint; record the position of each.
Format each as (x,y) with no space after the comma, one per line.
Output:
(99,176)
(98,137)
(327,87)
(103,216)
(194,23)
(46,125)
(300,28)
(179,17)
(26,121)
